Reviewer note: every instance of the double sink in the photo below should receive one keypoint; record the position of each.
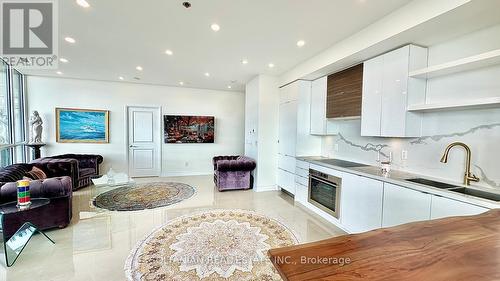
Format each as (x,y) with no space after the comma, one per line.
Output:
(441,185)
(463,190)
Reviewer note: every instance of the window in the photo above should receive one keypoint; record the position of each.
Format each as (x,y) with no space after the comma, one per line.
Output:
(4,104)
(12,116)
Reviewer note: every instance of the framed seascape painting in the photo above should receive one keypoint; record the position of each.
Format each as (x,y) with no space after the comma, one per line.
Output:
(189,129)
(82,125)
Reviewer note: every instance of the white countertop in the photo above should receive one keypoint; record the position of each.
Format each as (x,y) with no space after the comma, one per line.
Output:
(400,178)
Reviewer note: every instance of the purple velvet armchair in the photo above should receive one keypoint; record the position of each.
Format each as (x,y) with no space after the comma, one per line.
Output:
(80,167)
(57,213)
(233,172)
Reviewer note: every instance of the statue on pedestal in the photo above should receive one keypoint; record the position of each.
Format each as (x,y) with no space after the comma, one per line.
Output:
(36,128)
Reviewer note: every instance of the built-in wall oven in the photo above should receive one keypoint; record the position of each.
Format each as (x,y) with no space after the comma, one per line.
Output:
(324,192)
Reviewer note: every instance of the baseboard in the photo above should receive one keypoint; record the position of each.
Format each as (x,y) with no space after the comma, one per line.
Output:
(266,188)
(185,174)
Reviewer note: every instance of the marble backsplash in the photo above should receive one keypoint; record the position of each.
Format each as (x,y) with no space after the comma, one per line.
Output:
(480,129)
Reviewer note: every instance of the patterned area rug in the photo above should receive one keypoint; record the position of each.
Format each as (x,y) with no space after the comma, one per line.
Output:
(213,245)
(144,196)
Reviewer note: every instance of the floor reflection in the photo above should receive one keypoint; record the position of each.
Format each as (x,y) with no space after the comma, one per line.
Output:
(96,244)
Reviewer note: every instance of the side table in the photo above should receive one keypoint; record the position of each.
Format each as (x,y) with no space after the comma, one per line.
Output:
(14,245)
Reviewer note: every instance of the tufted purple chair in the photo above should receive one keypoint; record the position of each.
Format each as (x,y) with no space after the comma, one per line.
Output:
(233,172)
(80,167)
(57,213)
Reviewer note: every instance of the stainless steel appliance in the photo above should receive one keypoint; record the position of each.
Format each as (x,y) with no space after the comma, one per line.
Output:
(324,192)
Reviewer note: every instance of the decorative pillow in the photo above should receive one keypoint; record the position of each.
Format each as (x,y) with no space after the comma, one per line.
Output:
(36,174)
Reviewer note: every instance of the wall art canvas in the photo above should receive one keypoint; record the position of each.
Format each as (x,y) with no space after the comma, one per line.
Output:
(82,125)
(189,129)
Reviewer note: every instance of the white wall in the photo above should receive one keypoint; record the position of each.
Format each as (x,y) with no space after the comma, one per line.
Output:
(478,128)
(261,129)
(45,94)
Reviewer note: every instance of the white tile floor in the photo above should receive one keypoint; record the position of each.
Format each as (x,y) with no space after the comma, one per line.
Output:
(95,246)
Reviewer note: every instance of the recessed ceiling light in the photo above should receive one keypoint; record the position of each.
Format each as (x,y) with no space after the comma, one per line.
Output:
(59,72)
(83,3)
(169,52)
(229,86)
(121,78)
(301,43)
(63,60)
(181,83)
(244,61)
(207,74)
(215,27)
(70,40)
(271,65)
(139,68)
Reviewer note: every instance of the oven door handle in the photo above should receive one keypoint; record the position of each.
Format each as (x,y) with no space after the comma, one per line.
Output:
(322,180)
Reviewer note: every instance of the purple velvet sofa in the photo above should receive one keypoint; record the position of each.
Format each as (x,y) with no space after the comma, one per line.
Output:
(57,213)
(82,167)
(233,172)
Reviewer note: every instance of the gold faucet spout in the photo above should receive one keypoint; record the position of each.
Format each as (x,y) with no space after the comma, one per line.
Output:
(469,176)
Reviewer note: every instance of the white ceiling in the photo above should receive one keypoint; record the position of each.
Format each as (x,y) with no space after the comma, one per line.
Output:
(115,36)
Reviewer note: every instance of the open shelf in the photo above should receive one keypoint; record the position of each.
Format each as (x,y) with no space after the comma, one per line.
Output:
(459,105)
(470,63)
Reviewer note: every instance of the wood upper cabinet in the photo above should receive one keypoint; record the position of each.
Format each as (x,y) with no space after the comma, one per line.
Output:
(344,93)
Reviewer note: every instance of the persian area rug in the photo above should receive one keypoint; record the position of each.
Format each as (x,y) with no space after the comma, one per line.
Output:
(144,196)
(213,245)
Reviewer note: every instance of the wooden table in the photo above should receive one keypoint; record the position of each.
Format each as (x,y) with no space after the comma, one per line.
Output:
(459,248)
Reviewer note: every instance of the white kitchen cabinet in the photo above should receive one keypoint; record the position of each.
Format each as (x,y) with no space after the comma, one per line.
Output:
(371,105)
(442,207)
(294,129)
(361,203)
(403,205)
(286,181)
(388,90)
(320,125)
(301,181)
(286,163)
(288,128)
(301,193)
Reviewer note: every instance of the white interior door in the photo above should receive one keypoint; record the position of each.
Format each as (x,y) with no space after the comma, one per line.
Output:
(144,141)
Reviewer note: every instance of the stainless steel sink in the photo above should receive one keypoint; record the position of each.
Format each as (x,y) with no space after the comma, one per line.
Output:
(436,184)
(454,188)
(477,193)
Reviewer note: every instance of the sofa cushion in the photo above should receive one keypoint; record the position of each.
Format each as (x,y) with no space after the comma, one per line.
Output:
(242,164)
(86,172)
(14,172)
(36,174)
(47,188)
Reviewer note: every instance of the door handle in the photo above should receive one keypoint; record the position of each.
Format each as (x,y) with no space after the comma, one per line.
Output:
(132,146)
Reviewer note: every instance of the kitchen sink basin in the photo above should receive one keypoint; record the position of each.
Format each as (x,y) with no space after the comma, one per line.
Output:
(477,193)
(436,184)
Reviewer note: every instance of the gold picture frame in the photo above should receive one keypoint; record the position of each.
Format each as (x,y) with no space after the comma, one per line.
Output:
(74,125)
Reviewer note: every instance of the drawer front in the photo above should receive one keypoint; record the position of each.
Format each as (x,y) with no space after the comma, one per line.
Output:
(302,172)
(286,163)
(301,193)
(303,164)
(286,181)
(301,180)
